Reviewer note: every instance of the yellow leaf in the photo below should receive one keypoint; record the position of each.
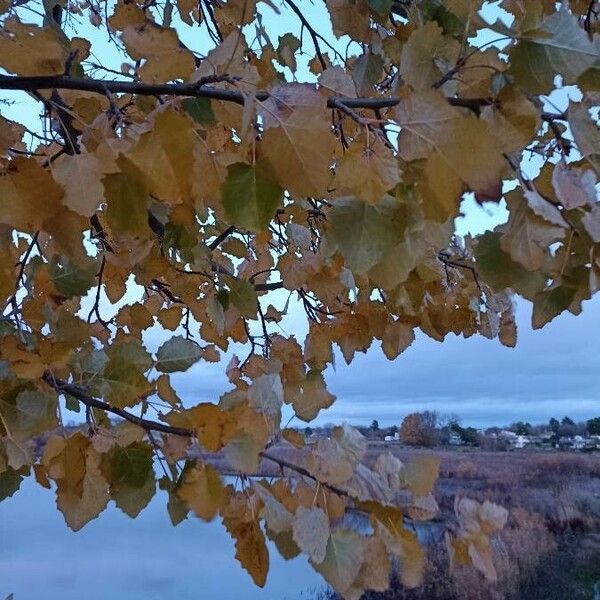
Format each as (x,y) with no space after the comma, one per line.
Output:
(295,438)
(203,491)
(79,175)
(367,173)
(300,149)
(420,474)
(165,156)
(28,50)
(165,59)
(29,195)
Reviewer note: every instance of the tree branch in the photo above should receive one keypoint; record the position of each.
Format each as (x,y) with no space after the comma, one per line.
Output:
(197,90)
(62,387)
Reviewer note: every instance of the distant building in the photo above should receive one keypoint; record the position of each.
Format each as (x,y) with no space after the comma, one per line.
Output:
(521,442)
(455,439)
(392,438)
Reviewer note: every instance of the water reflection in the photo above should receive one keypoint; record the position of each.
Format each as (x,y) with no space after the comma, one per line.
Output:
(117,557)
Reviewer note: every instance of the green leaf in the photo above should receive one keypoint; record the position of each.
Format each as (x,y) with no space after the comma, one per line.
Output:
(72,403)
(250,195)
(127,200)
(243,296)
(363,232)
(366,72)
(122,382)
(200,109)
(131,476)
(381,7)
(27,413)
(177,354)
(343,559)
(500,271)
(550,303)
(559,47)
(71,279)
(10,481)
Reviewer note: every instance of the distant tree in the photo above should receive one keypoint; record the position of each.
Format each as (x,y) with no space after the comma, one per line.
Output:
(469,436)
(554,424)
(393,430)
(418,429)
(454,426)
(593,426)
(375,425)
(521,428)
(308,431)
(567,421)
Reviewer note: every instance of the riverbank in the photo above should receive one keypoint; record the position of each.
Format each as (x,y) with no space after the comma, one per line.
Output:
(550,548)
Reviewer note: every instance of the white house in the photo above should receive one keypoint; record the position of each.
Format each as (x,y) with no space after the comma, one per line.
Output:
(455,439)
(521,441)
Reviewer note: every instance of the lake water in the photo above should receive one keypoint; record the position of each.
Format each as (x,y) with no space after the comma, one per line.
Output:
(118,558)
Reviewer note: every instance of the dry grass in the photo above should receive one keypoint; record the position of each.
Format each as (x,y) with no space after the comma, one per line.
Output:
(550,548)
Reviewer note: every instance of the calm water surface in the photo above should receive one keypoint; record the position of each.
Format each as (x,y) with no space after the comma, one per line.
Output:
(118,558)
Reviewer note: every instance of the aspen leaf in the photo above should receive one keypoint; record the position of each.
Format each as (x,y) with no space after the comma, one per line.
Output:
(591,222)
(130,475)
(243,296)
(27,413)
(335,80)
(574,187)
(164,58)
(299,151)
(265,395)
(366,72)
(277,517)
(79,175)
(374,572)
(528,236)
(251,548)
(250,195)
(343,559)
(425,51)
(397,338)
(202,491)
(350,18)
(311,532)
(558,45)
(420,473)
(311,397)
(243,452)
(500,271)
(295,438)
(29,50)
(165,156)
(177,354)
(362,231)
(29,195)
(214,427)
(368,173)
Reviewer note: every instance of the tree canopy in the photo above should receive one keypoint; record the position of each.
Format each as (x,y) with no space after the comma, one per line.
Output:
(176,168)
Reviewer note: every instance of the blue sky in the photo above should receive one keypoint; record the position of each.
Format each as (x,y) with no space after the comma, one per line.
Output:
(552,372)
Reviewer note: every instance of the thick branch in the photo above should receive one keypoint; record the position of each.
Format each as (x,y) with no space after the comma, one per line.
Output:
(100,86)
